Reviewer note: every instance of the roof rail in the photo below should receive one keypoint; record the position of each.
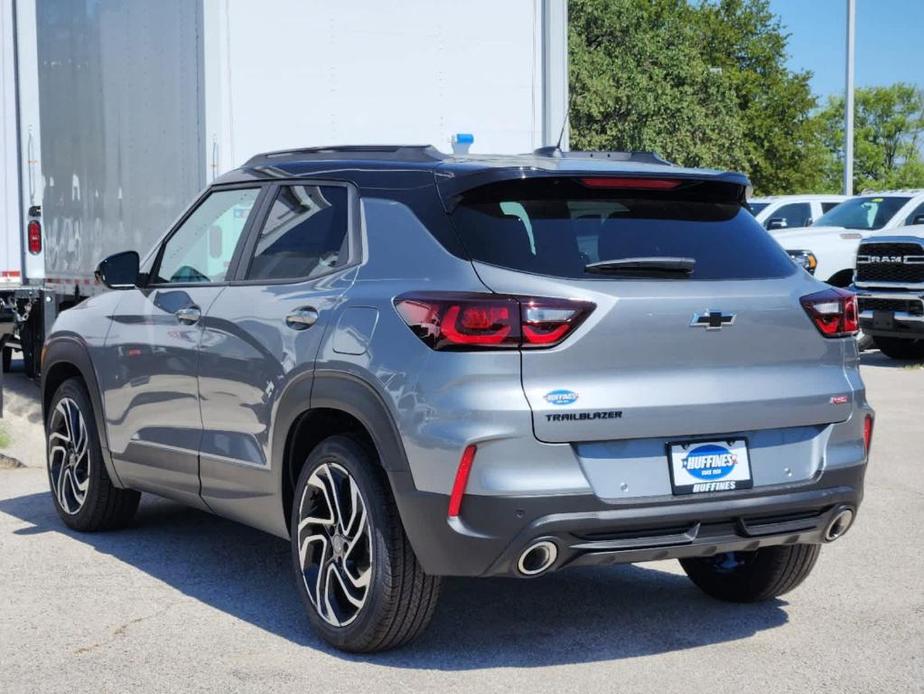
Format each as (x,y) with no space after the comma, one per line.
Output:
(638,157)
(390,152)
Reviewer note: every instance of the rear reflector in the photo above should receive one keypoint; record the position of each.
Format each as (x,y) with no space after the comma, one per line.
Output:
(449,321)
(631,183)
(458,487)
(868,432)
(833,311)
(34,230)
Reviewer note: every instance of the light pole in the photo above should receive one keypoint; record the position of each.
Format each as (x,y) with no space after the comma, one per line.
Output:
(848,101)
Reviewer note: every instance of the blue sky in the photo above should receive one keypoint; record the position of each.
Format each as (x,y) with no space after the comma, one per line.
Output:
(889,36)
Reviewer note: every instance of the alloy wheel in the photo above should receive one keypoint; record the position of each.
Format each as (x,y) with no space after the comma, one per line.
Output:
(68,456)
(335,544)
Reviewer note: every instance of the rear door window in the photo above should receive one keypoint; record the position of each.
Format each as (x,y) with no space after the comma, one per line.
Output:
(305,234)
(558,227)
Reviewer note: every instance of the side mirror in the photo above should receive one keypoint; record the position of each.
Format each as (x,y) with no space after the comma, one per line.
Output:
(917,219)
(776,223)
(119,271)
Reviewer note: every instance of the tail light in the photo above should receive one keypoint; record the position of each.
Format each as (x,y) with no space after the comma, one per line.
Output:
(631,183)
(461,481)
(868,432)
(834,312)
(448,321)
(34,229)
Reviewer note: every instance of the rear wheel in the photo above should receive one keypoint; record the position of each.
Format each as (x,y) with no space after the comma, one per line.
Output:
(83,493)
(752,576)
(899,348)
(356,572)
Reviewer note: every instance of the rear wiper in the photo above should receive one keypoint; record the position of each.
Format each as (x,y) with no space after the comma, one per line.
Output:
(642,266)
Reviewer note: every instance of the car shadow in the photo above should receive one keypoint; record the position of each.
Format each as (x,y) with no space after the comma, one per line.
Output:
(573,616)
(874,357)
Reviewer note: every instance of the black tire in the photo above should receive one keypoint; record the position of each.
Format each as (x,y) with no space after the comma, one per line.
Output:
(763,574)
(900,348)
(104,506)
(7,359)
(400,598)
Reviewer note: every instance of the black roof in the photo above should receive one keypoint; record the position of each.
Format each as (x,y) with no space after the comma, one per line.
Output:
(458,172)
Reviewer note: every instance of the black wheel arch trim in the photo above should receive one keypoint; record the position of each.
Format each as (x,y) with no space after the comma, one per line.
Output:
(72,350)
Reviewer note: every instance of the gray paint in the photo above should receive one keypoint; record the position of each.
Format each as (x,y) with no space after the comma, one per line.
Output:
(213,403)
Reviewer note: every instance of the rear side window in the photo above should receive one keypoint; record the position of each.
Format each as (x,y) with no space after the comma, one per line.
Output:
(828,206)
(558,227)
(304,236)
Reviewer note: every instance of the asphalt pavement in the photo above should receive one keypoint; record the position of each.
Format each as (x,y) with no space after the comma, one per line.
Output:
(184,601)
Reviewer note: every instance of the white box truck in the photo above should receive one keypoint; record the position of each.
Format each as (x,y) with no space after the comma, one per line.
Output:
(116,113)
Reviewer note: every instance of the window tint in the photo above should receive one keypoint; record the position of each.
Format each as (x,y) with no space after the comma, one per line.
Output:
(826,206)
(757,207)
(795,214)
(202,248)
(557,227)
(916,212)
(305,234)
(868,212)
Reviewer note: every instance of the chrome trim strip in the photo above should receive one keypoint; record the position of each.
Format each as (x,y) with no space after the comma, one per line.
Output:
(888,285)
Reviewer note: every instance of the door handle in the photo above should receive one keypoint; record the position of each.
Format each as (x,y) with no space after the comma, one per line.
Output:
(302,318)
(189,315)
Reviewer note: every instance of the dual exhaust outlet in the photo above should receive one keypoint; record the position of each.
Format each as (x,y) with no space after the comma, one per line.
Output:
(541,555)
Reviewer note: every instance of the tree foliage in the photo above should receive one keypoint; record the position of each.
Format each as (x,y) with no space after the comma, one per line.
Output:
(888,134)
(706,84)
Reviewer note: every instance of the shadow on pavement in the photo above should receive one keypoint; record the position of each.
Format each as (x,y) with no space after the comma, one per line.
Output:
(574,616)
(876,358)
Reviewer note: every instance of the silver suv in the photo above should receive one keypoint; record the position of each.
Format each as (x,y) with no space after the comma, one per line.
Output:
(413,366)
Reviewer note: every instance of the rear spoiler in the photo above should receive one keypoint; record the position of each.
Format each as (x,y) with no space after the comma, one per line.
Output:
(724,186)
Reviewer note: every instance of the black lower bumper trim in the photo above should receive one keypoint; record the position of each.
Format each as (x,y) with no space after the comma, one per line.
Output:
(492,532)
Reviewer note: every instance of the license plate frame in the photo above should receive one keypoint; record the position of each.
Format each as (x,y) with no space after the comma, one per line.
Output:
(694,477)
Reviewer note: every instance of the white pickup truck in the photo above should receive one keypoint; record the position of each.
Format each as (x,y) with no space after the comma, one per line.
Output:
(828,248)
(791,211)
(890,290)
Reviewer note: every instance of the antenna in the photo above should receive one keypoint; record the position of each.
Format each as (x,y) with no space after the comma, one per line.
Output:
(561,135)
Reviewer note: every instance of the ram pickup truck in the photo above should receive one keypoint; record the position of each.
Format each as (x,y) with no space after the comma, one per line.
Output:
(890,287)
(828,249)
(792,211)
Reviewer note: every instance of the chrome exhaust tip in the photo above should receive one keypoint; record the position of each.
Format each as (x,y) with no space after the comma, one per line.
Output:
(537,558)
(839,524)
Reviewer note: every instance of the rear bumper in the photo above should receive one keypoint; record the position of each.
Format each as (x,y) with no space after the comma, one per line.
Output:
(491,533)
(905,321)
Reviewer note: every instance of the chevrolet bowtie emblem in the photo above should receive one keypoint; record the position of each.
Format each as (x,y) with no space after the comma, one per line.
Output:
(712,320)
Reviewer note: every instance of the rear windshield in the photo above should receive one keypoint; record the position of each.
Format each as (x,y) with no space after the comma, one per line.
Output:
(869,212)
(558,227)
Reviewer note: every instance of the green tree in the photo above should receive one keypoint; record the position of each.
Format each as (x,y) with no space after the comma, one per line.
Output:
(704,85)
(783,151)
(888,135)
(639,81)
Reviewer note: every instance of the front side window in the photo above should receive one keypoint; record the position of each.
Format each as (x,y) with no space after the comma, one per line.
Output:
(865,213)
(305,234)
(200,251)
(796,214)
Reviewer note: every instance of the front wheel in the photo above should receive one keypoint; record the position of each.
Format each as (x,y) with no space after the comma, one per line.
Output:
(900,348)
(83,493)
(358,577)
(752,576)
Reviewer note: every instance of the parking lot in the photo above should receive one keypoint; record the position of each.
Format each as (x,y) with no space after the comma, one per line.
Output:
(186,601)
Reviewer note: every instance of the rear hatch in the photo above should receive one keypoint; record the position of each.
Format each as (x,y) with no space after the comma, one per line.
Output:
(697,327)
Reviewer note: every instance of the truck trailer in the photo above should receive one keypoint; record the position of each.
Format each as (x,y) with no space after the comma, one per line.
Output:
(116,113)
